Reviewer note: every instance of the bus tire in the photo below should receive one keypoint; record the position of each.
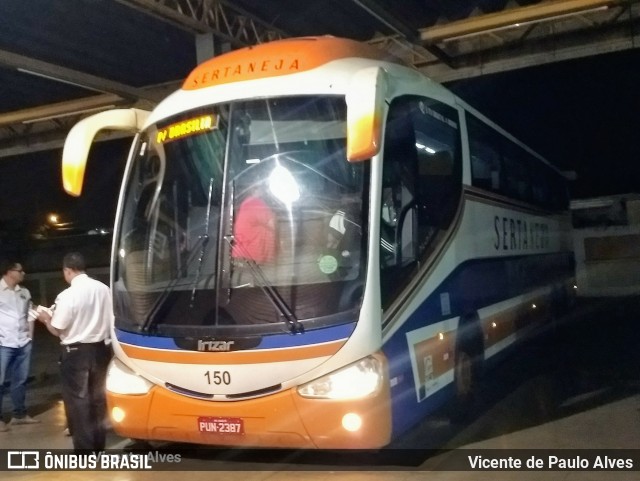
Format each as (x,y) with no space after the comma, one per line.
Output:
(466,379)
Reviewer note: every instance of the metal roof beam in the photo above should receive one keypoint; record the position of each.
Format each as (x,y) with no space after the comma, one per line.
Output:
(61,74)
(379,13)
(402,30)
(572,45)
(510,18)
(23,138)
(85,105)
(227,22)
(26,144)
(60,109)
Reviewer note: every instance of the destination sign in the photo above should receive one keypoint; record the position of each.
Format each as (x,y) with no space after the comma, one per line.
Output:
(185,128)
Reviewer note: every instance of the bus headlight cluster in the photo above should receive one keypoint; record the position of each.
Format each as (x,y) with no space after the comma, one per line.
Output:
(122,380)
(358,380)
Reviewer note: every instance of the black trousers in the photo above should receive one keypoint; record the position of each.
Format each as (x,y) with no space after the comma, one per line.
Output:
(83,372)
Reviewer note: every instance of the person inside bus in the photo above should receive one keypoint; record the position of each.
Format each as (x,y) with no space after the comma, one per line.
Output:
(343,230)
(254,230)
(399,177)
(343,238)
(389,218)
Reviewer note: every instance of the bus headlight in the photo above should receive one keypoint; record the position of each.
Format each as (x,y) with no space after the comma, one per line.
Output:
(357,380)
(122,380)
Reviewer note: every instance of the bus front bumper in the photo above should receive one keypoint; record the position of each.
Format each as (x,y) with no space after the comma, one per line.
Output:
(281,420)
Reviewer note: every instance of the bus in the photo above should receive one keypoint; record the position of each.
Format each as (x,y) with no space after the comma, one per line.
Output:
(316,246)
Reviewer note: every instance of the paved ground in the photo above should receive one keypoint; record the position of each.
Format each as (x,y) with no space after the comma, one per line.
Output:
(577,388)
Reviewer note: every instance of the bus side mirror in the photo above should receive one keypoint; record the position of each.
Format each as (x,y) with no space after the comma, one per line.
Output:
(80,138)
(365,111)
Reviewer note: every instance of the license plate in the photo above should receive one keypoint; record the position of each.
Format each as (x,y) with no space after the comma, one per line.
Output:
(221,425)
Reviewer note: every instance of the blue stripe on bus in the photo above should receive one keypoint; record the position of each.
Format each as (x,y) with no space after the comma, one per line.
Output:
(478,283)
(473,284)
(275,341)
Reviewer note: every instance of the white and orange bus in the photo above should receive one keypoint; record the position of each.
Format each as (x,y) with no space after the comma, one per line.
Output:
(316,246)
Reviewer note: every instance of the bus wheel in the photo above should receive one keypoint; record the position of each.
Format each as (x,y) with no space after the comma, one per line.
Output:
(464,377)
(466,385)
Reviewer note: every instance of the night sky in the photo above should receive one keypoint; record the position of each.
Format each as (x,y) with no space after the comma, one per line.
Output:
(582,115)
(32,188)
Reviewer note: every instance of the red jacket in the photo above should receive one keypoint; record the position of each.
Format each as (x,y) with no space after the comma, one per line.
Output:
(254,231)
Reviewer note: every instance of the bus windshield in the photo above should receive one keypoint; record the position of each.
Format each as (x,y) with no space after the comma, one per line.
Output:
(244,218)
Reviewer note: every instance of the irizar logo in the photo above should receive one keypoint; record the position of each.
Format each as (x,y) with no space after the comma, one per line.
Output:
(215,346)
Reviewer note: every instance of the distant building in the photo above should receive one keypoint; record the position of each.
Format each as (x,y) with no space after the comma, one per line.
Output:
(606,233)
(42,260)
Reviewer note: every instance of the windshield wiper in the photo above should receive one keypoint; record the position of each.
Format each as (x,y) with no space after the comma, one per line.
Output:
(205,241)
(295,326)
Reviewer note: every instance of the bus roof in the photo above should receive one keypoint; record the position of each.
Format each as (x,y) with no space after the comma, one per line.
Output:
(280,57)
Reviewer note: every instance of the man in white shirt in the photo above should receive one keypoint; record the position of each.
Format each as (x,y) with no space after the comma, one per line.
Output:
(16,334)
(82,319)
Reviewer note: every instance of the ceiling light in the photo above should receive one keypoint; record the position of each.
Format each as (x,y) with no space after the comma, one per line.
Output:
(58,79)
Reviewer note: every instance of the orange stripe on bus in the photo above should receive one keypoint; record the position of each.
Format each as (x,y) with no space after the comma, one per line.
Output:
(237,357)
(507,322)
(277,58)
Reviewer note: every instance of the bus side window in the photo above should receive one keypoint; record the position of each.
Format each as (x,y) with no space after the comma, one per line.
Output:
(397,223)
(421,186)
(487,172)
(436,189)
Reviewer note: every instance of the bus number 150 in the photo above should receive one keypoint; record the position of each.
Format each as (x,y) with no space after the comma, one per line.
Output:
(218,377)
